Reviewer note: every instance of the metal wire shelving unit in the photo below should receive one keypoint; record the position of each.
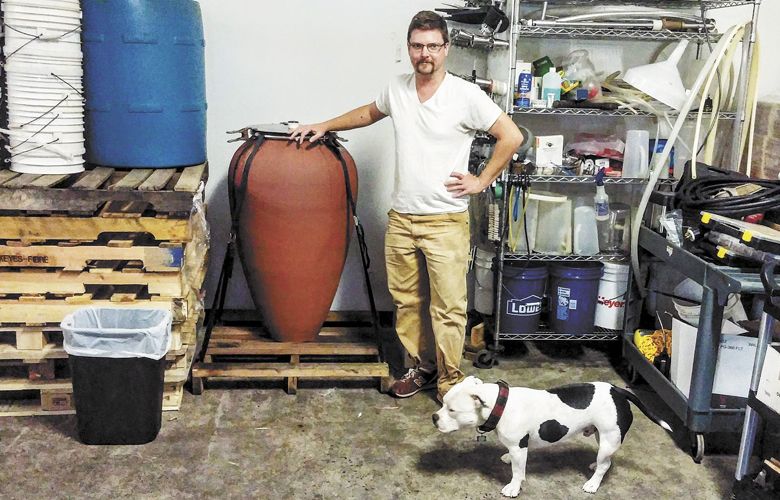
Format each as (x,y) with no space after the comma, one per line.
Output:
(520,31)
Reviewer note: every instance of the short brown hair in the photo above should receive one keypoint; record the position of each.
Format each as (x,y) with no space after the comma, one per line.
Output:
(428,20)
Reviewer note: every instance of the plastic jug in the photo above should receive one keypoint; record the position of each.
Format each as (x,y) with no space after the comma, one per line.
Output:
(635,156)
(586,237)
(551,87)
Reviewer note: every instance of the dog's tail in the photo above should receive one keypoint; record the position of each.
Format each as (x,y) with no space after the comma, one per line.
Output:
(644,409)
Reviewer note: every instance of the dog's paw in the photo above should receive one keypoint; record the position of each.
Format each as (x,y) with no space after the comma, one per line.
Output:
(591,486)
(506,458)
(593,466)
(511,490)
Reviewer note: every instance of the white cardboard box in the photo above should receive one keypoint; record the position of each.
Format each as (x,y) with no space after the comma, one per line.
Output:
(735,359)
(549,150)
(769,386)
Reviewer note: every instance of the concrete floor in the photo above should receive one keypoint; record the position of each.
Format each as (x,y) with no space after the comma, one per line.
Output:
(348,442)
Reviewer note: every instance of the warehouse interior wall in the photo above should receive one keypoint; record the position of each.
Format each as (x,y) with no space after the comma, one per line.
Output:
(309,60)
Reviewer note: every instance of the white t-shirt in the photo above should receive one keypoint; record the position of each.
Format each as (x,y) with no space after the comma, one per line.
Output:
(433,139)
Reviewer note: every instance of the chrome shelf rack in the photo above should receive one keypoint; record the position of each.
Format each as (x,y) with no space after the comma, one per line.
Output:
(611,33)
(616,112)
(588,179)
(542,257)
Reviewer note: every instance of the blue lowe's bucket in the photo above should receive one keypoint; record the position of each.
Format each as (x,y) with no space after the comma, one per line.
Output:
(523,289)
(144,82)
(573,296)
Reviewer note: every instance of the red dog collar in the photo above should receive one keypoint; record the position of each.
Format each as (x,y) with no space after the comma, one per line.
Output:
(498,409)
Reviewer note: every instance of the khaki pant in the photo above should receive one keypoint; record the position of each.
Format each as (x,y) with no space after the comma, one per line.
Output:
(427,261)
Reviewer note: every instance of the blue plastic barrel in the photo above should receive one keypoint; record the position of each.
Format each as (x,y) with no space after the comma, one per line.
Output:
(144,83)
(573,296)
(523,289)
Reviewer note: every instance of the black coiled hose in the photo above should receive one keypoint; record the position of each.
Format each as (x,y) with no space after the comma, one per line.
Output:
(701,194)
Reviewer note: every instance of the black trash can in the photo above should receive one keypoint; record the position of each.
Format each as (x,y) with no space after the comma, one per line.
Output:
(117,361)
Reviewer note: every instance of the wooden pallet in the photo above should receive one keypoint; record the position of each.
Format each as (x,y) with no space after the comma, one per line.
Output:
(340,352)
(22,394)
(102,191)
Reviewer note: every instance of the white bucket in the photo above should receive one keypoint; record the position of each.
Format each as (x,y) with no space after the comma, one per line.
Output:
(690,311)
(483,281)
(611,304)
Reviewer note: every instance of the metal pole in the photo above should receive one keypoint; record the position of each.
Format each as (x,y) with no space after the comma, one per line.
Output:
(752,419)
(748,39)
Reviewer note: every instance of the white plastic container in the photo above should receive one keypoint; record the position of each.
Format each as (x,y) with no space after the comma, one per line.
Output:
(551,87)
(553,230)
(517,232)
(483,281)
(612,296)
(636,163)
(586,237)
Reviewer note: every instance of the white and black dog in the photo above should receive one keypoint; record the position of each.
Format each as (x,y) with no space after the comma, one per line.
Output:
(528,418)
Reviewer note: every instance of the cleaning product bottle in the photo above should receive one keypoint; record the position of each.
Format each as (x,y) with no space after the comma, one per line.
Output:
(601,200)
(551,87)
(524,85)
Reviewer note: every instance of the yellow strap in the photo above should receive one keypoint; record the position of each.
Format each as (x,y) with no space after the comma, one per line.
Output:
(747,236)
(721,252)
(705,217)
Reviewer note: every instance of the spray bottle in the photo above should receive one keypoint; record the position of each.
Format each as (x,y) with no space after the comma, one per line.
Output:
(601,200)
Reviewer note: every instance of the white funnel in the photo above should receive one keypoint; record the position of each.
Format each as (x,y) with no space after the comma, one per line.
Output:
(661,80)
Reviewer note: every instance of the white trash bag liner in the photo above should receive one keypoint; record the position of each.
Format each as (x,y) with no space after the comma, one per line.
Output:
(105,332)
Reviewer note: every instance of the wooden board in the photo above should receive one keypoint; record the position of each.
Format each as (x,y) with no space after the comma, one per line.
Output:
(90,228)
(54,311)
(301,370)
(74,283)
(77,258)
(172,397)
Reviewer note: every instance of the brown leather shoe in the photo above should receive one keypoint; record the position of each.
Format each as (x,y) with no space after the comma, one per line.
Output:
(415,380)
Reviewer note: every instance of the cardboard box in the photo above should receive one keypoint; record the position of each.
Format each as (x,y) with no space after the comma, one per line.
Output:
(769,386)
(733,369)
(549,151)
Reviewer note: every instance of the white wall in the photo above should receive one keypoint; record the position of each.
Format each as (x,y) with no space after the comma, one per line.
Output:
(309,60)
(768,39)
(305,60)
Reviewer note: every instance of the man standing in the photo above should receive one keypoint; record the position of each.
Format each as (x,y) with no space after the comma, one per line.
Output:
(435,117)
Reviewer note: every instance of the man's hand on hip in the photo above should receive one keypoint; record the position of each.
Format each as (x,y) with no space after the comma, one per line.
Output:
(461,184)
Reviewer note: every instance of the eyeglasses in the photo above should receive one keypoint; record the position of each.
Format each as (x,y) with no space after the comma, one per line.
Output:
(433,48)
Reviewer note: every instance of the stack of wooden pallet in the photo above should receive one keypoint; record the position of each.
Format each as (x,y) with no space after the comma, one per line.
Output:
(104,238)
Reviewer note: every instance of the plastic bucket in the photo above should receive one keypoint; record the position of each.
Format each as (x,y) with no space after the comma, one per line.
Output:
(573,292)
(689,310)
(483,281)
(523,289)
(612,296)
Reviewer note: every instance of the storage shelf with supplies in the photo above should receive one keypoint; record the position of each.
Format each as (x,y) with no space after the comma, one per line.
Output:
(615,112)
(613,33)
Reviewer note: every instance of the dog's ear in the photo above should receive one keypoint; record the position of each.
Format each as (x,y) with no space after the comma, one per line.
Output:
(478,402)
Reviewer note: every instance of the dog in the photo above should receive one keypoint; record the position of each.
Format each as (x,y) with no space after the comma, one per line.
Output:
(527,418)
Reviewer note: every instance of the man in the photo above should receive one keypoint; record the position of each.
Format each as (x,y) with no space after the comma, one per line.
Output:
(435,116)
